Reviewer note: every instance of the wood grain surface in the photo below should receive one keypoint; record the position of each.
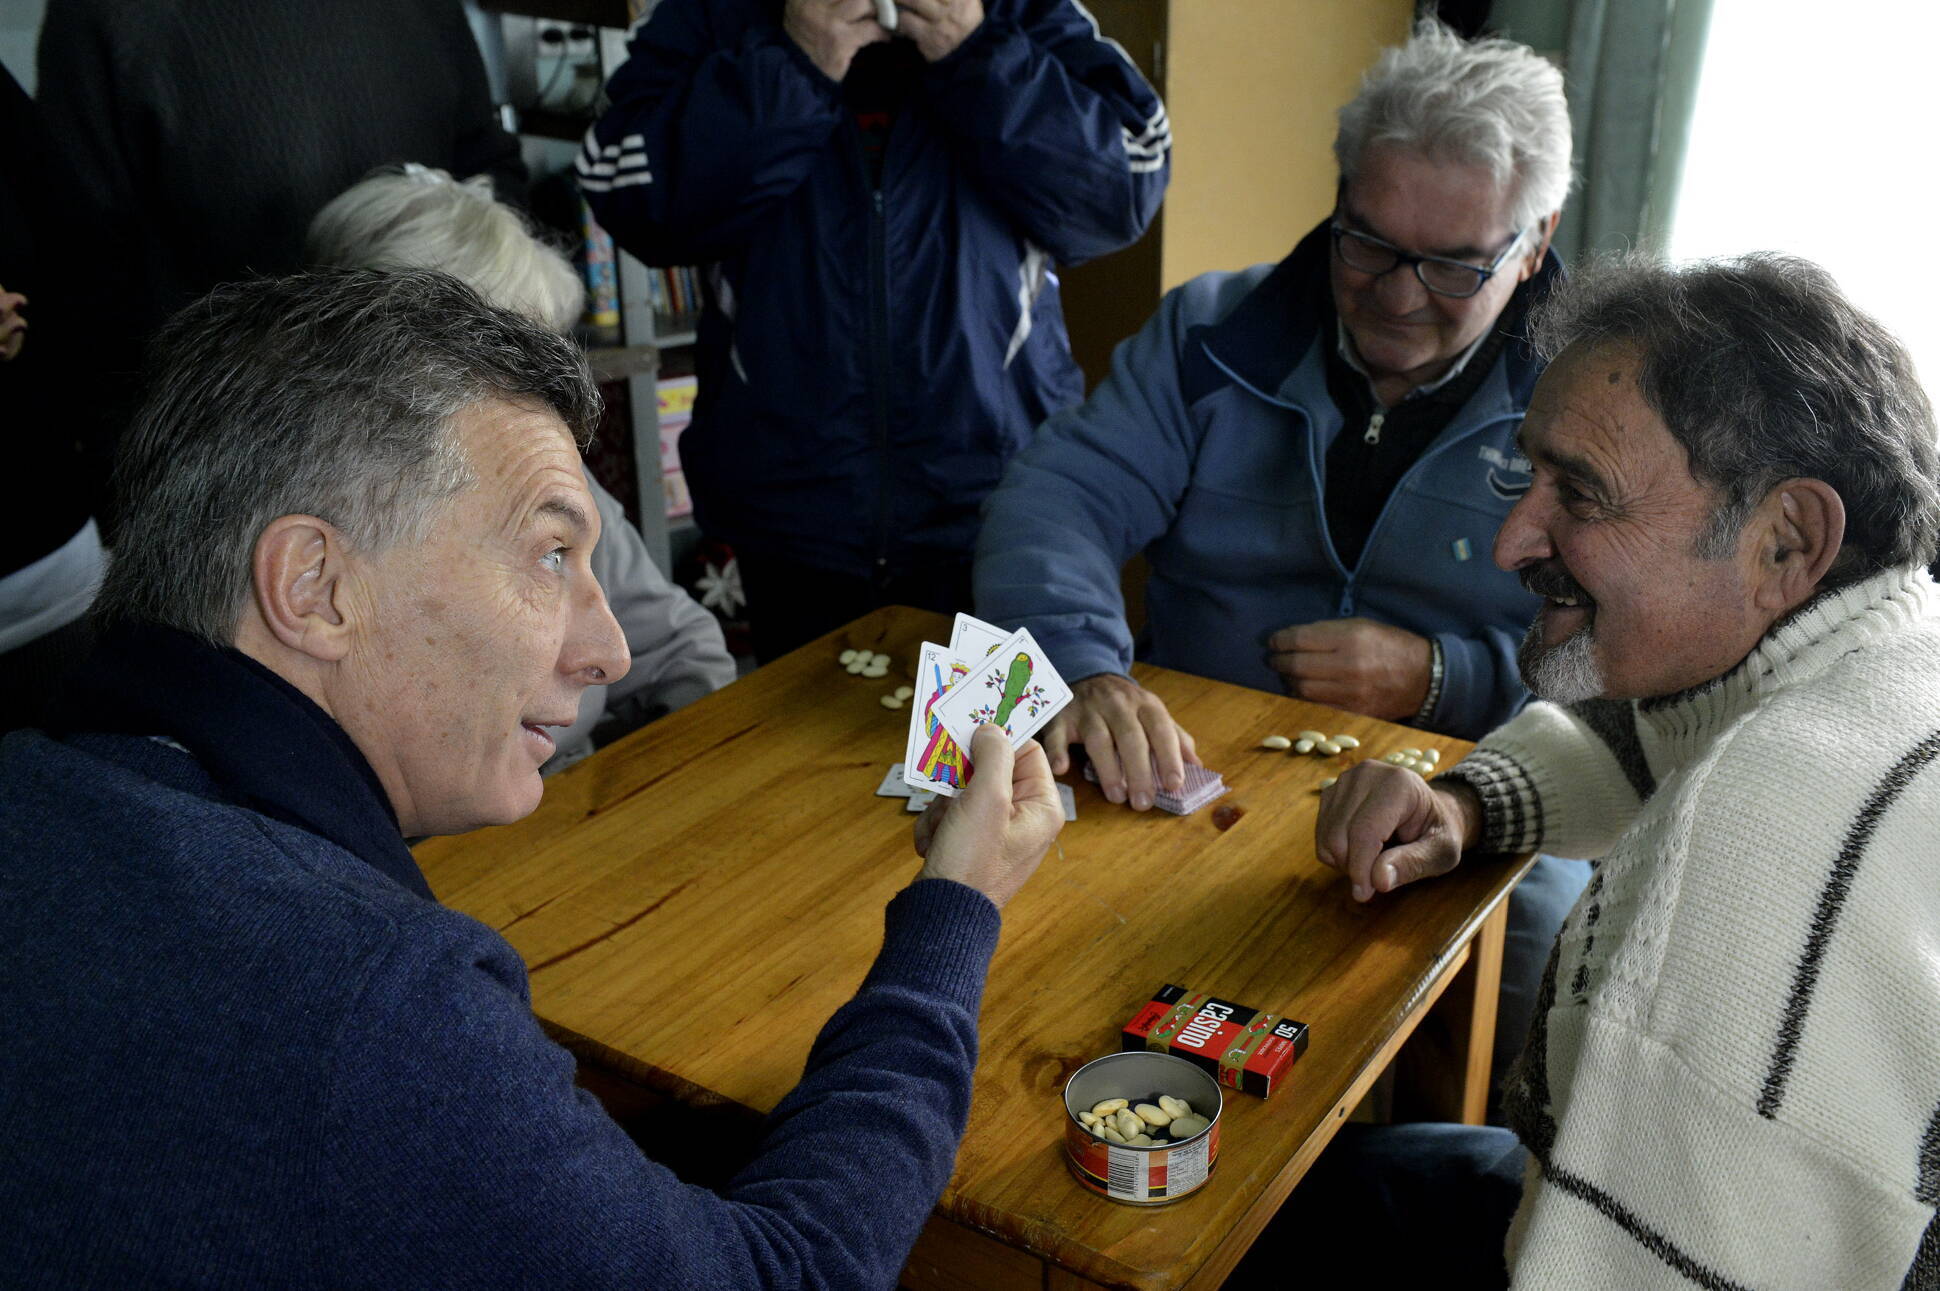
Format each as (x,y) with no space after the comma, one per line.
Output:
(695,900)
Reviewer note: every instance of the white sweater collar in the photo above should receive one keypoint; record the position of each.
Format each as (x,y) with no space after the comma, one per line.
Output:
(1829,627)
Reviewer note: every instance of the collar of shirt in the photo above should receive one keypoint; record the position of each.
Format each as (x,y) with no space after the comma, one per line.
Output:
(1344,344)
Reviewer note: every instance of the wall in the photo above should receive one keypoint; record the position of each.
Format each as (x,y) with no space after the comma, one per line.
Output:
(1252,87)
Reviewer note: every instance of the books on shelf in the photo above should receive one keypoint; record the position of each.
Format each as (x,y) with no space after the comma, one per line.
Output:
(675,295)
(676,407)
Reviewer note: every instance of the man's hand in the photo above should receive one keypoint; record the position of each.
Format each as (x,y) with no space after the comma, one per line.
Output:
(13,328)
(938,26)
(1355,664)
(993,833)
(1128,734)
(1382,827)
(831,31)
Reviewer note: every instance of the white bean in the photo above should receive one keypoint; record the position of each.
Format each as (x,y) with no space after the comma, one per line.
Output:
(1328,747)
(875,670)
(1330,782)
(1276,743)
(1088,1119)
(1109,1106)
(1141,1141)
(1432,756)
(847,657)
(1152,1114)
(1127,1123)
(890,701)
(1174,1107)
(882,659)
(1315,736)
(1396,758)
(855,666)
(1303,745)
(1347,741)
(904,692)
(1187,1126)
(1411,753)
(1112,1135)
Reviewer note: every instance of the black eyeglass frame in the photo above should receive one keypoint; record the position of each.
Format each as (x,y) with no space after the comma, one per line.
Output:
(1482,275)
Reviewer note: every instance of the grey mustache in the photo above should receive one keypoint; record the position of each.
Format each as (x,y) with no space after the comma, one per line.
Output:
(1552,583)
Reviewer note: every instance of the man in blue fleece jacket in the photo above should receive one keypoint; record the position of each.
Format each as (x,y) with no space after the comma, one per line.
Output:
(1314,456)
(245,1045)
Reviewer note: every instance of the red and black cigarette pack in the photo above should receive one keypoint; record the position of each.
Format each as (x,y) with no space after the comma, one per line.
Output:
(1242,1047)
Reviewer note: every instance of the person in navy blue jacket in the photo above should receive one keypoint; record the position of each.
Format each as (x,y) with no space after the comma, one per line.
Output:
(353,601)
(881,214)
(1314,456)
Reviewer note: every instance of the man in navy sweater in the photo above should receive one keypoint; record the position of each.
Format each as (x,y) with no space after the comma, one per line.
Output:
(245,1046)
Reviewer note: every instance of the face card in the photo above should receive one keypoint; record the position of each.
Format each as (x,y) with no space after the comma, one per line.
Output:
(931,759)
(1015,688)
(971,639)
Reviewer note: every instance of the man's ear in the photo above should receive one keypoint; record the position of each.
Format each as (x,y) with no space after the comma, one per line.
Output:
(1545,230)
(1798,530)
(298,575)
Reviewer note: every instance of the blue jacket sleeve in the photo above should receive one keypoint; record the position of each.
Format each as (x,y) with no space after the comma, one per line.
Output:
(1098,483)
(458,1152)
(1481,684)
(708,131)
(1058,127)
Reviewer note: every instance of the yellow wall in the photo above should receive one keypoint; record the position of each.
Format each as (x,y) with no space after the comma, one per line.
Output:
(1251,88)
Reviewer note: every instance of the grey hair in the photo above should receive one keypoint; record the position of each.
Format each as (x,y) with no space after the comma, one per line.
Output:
(415,217)
(1488,102)
(328,394)
(1764,371)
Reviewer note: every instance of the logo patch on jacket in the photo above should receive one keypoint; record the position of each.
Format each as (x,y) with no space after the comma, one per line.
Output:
(1508,475)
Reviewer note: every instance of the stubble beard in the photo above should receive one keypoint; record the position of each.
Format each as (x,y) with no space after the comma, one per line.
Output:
(1566,673)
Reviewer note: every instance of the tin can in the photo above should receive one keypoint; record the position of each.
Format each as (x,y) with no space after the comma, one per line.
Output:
(1141,1176)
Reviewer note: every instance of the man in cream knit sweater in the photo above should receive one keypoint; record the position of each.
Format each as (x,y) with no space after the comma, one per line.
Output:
(1734,1075)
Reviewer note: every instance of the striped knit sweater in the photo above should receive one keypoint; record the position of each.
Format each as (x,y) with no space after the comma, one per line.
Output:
(1734,1076)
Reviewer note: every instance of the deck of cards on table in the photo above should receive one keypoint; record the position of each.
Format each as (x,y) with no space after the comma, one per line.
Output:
(985,675)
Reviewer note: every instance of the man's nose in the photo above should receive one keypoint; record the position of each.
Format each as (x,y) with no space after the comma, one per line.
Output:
(1398,290)
(596,651)
(1523,538)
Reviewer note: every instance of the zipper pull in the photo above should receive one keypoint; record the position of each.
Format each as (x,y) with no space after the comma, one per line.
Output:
(1372,435)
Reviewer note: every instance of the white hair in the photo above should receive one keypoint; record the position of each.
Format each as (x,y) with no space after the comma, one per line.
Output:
(1488,102)
(1565,673)
(416,217)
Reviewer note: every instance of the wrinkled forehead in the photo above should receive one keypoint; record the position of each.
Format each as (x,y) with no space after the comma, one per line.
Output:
(523,462)
(1428,204)
(1589,415)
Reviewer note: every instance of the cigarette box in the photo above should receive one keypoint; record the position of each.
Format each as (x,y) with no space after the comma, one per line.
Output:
(1242,1047)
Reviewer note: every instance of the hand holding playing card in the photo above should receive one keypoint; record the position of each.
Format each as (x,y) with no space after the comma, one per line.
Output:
(1136,748)
(993,834)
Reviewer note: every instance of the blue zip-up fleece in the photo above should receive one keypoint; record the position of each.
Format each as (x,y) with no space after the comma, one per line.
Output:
(1206,449)
(870,357)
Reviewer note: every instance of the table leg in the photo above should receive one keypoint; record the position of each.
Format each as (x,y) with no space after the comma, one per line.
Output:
(1443,1072)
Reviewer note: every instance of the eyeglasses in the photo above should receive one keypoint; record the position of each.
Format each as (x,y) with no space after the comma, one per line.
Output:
(1367,254)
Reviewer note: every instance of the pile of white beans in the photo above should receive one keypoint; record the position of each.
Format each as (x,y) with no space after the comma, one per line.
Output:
(1118,1120)
(865,663)
(1311,742)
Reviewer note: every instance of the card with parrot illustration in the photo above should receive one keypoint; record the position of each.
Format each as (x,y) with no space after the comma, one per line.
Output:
(1014,686)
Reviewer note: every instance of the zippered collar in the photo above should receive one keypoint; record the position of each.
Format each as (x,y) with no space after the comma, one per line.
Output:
(1262,341)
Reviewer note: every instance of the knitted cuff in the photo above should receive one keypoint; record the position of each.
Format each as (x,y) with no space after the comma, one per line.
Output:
(1437,674)
(1512,810)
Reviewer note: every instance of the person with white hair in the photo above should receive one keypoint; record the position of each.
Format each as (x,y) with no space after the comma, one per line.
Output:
(1313,455)
(416,217)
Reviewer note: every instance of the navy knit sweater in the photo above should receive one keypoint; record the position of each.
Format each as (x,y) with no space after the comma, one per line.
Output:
(236,1054)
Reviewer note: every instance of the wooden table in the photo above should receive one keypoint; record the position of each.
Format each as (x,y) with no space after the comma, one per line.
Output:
(694,901)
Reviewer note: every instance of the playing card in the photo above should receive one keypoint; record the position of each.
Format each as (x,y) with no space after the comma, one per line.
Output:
(919,799)
(931,759)
(1014,687)
(1201,787)
(1070,801)
(971,639)
(893,785)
